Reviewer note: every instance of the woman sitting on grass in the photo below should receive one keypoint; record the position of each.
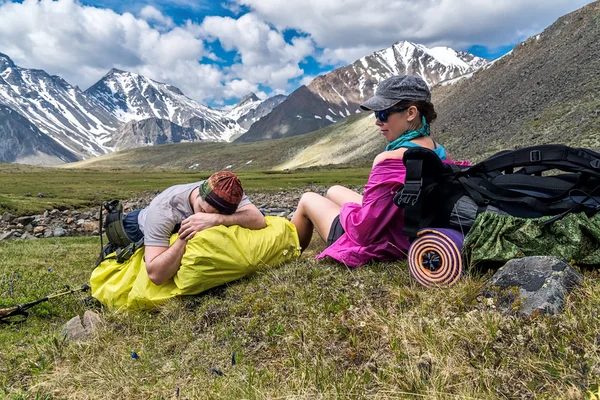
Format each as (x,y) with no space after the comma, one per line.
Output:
(359,228)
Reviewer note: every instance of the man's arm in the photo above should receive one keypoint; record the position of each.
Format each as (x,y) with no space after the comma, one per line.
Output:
(162,263)
(247,216)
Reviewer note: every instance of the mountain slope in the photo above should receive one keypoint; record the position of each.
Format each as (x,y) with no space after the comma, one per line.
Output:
(544,91)
(340,92)
(354,140)
(22,142)
(58,109)
(250,109)
(150,132)
(129,96)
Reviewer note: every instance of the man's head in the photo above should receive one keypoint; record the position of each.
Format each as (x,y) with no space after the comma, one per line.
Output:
(222,191)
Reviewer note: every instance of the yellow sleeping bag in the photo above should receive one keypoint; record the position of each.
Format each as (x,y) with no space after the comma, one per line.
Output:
(213,257)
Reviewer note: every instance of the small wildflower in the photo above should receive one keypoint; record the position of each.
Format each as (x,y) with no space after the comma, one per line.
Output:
(49,269)
(217,371)
(362,324)
(135,356)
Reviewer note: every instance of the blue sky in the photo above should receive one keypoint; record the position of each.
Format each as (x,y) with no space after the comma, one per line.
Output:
(218,51)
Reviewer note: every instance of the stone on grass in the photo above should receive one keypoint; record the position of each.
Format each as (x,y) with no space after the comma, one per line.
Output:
(7,235)
(76,330)
(91,321)
(58,232)
(531,284)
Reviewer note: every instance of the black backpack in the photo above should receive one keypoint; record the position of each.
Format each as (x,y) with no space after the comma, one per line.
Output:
(510,182)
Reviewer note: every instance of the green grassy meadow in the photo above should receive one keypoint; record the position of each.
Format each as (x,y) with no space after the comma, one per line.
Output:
(302,330)
(61,188)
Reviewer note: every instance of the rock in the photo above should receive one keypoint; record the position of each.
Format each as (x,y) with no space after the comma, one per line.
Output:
(29,227)
(45,214)
(27,235)
(58,232)
(48,232)
(54,212)
(25,220)
(66,212)
(41,195)
(7,235)
(91,322)
(74,330)
(90,226)
(8,217)
(38,229)
(69,220)
(531,284)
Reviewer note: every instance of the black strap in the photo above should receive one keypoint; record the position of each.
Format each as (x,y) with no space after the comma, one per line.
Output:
(552,155)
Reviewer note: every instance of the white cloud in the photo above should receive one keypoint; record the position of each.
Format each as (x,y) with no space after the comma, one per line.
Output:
(238,88)
(152,14)
(343,27)
(265,57)
(82,43)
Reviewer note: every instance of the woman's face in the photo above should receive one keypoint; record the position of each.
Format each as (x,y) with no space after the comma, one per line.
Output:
(397,123)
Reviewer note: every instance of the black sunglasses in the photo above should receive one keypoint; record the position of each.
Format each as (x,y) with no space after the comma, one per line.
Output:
(384,114)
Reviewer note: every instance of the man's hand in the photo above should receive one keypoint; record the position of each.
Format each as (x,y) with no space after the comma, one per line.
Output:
(196,223)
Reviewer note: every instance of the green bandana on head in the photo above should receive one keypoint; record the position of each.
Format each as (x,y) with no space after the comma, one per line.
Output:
(222,190)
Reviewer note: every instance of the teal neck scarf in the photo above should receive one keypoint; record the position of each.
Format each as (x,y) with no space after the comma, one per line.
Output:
(409,135)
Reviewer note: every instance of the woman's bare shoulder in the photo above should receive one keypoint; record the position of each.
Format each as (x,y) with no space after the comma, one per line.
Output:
(386,155)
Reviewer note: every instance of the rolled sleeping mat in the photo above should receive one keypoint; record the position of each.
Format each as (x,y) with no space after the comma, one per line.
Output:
(434,258)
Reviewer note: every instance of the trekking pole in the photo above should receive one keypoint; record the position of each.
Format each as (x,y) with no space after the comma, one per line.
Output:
(9,315)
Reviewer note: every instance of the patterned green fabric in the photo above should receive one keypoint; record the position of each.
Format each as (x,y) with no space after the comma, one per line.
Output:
(496,237)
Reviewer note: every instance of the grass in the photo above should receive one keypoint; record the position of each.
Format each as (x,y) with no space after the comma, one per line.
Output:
(29,190)
(305,330)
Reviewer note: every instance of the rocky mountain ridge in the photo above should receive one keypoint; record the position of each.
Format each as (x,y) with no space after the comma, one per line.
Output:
(333,96)
(95,122)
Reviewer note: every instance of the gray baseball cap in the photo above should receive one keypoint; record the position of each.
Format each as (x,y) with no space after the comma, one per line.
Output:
(395,89)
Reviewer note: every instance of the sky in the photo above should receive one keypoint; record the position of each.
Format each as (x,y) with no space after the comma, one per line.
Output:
(219,51)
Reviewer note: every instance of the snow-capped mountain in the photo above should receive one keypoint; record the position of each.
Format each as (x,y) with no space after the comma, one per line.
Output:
(337,94)
(129,96)
(57,109)
(250,109)
(23,142)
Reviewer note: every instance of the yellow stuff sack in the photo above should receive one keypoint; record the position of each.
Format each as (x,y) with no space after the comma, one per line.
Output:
(213,257)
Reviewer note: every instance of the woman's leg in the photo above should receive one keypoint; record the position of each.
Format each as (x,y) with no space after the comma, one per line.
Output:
(314,211)
(340,195)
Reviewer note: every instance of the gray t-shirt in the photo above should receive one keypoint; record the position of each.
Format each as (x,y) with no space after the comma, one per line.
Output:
(168,209)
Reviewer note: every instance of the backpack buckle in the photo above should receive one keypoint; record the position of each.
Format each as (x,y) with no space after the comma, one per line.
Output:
(410,193)
(535,156)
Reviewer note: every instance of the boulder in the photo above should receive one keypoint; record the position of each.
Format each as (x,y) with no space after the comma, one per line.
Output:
(7,235)
(533,284)
(25,220)
(74,330)
(8,217)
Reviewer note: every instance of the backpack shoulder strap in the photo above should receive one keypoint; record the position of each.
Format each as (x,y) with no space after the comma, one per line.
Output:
(115,231)
(549,156)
